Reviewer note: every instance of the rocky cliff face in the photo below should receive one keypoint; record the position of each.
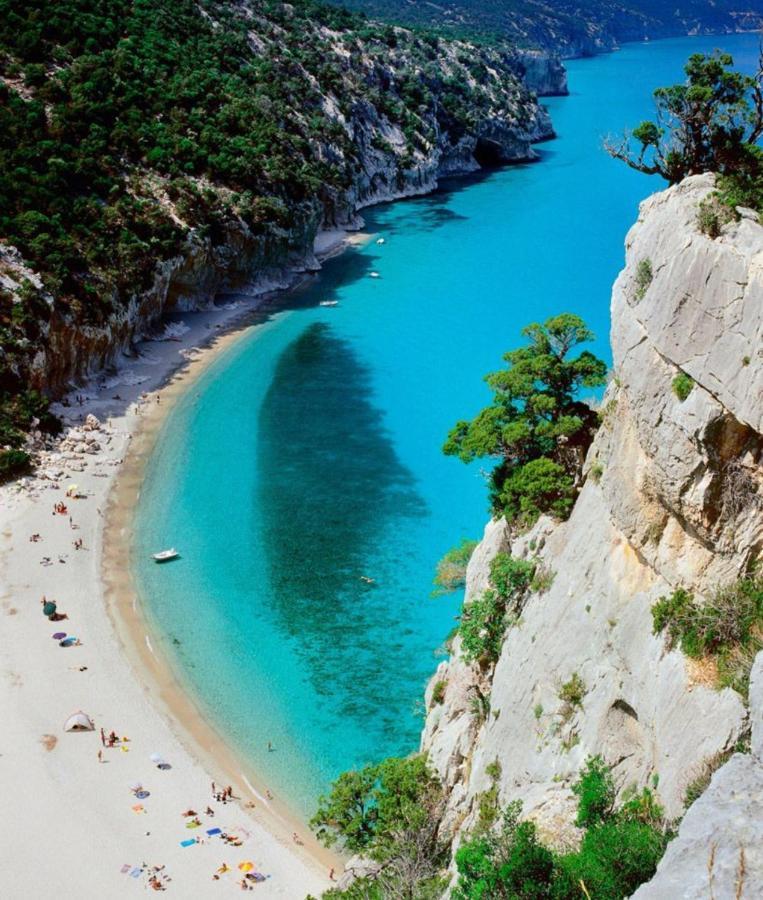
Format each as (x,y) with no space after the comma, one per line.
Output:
(386,114)
(673,497)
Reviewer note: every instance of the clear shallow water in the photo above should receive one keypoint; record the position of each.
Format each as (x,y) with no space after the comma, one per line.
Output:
(309,455)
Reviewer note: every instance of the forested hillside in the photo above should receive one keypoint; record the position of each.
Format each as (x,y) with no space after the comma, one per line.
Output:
(570,27)
(155,130)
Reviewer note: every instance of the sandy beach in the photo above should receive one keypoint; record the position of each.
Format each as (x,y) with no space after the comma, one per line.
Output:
(82,819)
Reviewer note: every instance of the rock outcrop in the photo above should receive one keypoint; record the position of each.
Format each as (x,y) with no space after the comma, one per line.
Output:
(673,497)
(544,73)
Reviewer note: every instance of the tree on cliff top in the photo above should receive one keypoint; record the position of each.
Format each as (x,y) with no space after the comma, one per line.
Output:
(710,123)
(536,427)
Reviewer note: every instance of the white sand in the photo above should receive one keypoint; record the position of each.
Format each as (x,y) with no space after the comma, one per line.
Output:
(68,826)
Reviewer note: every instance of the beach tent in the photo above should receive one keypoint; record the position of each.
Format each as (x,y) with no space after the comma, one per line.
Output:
(79,721)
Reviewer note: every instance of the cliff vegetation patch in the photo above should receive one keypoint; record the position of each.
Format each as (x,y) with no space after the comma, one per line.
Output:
(619,850)
(536,429)
(727,628)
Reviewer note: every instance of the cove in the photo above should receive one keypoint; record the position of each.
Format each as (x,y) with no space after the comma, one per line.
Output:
(307,458)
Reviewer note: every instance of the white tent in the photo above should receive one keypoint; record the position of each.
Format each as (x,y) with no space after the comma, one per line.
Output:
(79,721)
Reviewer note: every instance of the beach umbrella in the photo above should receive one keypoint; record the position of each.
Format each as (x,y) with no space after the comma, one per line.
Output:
(68,641)
(72,490)
(246,866)
(59,635)
(49,608)
(159,761)
(79,721)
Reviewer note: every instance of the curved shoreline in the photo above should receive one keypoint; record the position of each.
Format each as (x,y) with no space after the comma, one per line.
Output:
(58,790)
(151,666)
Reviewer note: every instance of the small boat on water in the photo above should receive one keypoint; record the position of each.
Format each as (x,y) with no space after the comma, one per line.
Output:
(166,555)
(329,303)
(381,241)
(374,275)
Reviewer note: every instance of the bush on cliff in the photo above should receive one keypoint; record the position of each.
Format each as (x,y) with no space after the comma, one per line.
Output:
(390,813)
(484,620)
(712,122)
(727,628)
(451,569)
(619,851)
(536,428)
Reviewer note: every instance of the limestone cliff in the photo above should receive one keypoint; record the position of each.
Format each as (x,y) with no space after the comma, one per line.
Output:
(322,115)
(673,497)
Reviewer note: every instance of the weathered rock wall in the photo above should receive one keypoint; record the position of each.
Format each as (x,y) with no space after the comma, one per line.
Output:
(672,498)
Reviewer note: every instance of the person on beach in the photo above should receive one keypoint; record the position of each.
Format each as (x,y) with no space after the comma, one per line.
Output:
(331,874)
(214,791)
(100,756)
(103,738)
(270,746)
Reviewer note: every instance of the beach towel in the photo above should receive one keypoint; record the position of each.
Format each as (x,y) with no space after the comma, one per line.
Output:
(125,868)
(213,831)
(136,873)
(188,843)
(138,808)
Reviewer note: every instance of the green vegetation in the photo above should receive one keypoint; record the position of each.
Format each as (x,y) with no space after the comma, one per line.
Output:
(728,628)
(542,580)
(536,428)
(485,619)
(451,569)
(571,693)
(438,691)
(619,851)
(682,385)
(565,25)
(131,131)
(13,463)
(644,276)
(596,471)
(390,813)
(712,215)
(710,123)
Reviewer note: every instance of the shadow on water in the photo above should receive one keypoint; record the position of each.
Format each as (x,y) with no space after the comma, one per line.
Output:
(330,487)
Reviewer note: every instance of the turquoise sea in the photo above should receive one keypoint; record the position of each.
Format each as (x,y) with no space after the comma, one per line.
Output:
(309,455)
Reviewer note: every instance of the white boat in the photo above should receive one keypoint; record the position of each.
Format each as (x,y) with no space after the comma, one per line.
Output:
(374,275)
(166,555)
(329,303)
(380,241)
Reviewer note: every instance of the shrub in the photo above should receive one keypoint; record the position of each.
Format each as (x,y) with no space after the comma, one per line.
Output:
(712,215)
(728,628)
(438,692)
(682,385)
(619,851)
(596,471)
(451,569)
(571,693)
(511,577)
(511,863)
(595,790)
(614,859)
(542,580)
(13,463)
(485,619)
(644,276)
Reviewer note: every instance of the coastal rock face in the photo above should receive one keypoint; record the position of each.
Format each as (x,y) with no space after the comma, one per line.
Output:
(719,848)
(672,498)
(543,73)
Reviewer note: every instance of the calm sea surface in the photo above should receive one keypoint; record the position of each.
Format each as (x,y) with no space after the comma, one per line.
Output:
(309,455)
